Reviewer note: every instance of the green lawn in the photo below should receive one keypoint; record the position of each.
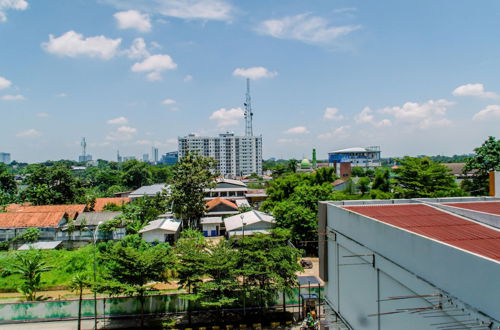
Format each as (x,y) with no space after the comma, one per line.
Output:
(65,264)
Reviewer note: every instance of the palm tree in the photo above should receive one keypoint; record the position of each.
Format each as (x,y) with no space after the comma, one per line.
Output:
(30,266)
(79,282)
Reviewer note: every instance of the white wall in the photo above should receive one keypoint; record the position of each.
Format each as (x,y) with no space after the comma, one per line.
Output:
(405,264)
(156,235)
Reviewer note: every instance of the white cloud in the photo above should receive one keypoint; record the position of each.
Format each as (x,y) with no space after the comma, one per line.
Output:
(287,141)
(365,116)
(42,115)
(341,132)
(122,133)
(255,72)
(474,90)
(228,117)
(297,130)
(143,142)
(61,95)
(5,83)
(138,49)
(332,114)
(132,19)
(422,115)
(11,5)
(168,102)
(73,44)
(155,64)
(99,144)
(188,78)
(17,97)
(118,121)
(30,133)
(490,112)
(219,10)
(305,28)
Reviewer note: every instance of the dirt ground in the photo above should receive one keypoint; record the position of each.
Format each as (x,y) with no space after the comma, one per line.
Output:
(314,271)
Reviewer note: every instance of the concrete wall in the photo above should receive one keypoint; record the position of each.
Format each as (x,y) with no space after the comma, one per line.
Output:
(155,235)
(400,263)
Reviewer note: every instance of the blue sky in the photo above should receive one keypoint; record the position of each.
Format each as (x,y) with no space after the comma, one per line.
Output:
(415,77)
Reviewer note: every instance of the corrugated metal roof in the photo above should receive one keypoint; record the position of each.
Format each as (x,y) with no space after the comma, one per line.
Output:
(487,207)
(40,245)
(250,217)
(438,225)
(72,210)
(150,190)
(30,219)
(171,225)
(101,202)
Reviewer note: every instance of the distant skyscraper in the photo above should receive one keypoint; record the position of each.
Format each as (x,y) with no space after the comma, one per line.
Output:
(4,157)
(145,158)
(154,155)
(119,158)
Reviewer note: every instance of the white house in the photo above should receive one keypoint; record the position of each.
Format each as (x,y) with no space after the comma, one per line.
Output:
(211,226)
(161,230)
(249,223)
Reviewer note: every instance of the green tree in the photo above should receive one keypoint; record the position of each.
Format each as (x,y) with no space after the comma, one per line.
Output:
(323,174)
(364,185)
(268,264)
(382,180)
(30,235)
(189,249)
(136,174)
(79,282)
(487,159)
(220,287)
(142,210)
(7,181)
(421,177)
(30,266)
(132,263)
(191,176)
(292,165)
(51,185)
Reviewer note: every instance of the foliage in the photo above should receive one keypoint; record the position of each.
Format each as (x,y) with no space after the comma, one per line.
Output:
(136,174)
(30,235)
(7,182)
(189,249)
(421,177)
(487,159)
(141,210)
(30,266)
(364,185)
(382,180)
(268,264)
(323,175)
(51,185)
(191,176)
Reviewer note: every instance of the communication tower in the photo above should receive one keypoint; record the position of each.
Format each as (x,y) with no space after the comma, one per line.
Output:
(248,111)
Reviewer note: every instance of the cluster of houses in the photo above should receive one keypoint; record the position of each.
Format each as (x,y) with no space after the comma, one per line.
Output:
(75,225)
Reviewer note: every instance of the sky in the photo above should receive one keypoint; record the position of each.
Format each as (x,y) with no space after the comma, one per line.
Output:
(413,77)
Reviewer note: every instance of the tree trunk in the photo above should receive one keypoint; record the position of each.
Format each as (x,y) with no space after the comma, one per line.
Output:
(80,310)
(284,301)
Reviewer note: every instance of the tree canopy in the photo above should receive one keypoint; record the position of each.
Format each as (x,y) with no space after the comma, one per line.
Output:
(487,159)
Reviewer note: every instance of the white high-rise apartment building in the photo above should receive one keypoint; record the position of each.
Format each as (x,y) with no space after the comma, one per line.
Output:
(4,157)
(235,155)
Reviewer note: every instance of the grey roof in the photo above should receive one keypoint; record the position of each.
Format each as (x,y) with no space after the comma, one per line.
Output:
(171,225)
(231,181)
(151,190)
(236,221)
(93,218)
(40,245)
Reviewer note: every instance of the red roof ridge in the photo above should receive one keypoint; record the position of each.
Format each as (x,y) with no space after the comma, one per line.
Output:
(218,200)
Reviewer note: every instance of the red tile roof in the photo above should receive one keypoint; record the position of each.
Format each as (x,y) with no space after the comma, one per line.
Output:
(438,225)
(487,207)
(72,210)
(30,219)
(216,201)
(101,202)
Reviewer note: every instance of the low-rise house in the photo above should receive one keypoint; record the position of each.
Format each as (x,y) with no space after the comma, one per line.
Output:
(161,230)
(249,223)
(227,188)
(256,196)
(212,226)
(13,224)
(85,224)
(220,207)
(72,210)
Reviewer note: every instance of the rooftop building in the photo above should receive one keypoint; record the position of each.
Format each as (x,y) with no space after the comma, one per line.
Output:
(358,156)
(390,264)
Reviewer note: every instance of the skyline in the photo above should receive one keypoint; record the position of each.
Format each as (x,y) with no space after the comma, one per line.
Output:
(414,78)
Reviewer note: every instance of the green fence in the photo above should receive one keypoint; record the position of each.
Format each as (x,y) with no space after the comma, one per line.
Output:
(109,307)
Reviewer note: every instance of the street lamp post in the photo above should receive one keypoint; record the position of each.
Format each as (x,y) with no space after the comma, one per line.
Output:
(95,276)
(244,286)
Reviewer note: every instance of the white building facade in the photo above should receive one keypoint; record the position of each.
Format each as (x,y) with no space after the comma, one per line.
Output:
(235,155)
(357,156)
